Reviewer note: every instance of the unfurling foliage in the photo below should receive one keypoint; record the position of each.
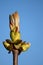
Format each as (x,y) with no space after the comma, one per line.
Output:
(15,42)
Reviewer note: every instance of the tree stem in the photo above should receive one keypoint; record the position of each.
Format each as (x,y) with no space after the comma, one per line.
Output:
(15,57)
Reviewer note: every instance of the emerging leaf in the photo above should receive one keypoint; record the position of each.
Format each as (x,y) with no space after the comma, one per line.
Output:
(25,46)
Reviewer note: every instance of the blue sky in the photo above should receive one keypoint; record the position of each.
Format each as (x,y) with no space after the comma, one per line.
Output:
(31,28)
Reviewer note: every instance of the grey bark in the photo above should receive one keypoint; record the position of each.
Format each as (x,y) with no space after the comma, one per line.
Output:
(15,57)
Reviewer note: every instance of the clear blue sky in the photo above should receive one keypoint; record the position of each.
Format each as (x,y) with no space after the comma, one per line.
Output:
(31,27)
